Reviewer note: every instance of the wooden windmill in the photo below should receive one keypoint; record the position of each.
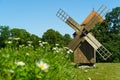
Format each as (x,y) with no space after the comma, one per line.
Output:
(84,44)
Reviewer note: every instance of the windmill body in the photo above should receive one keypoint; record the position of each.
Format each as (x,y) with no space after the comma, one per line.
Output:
(84,44)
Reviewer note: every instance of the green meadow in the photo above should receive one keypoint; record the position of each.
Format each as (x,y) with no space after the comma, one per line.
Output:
(50,63)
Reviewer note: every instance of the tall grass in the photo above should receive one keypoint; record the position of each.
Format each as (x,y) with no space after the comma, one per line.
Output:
(58,59)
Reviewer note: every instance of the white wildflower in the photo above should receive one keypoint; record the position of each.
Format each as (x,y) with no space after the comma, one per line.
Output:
(89,78)
(9,42)
(39,41)
(66,48)
(30,45)
(11,71)
(42,65)
(21,45)
(54,48)
(69,51)
(40,44)
(27,54)
(44,42)
(57,44)
(30,42)
(20,63)
(16,38)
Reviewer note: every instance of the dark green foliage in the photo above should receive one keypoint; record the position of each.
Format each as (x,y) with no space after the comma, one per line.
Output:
(4,34)
(54,37)
(35,40)
(67,39)
(25,37)
(113,20)
(22,35)
(51,36)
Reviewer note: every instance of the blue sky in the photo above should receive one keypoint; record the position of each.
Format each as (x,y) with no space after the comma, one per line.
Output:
(37,16)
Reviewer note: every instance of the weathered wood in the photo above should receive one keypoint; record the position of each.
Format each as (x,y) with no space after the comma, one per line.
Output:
(92,41)
(73,24)
(75,43)
(85,54)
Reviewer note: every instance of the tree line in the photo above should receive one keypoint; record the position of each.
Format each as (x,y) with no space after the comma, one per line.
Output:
(51,36)
(107,32)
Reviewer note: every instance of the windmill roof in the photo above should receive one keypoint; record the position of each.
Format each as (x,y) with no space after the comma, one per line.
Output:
(91,15)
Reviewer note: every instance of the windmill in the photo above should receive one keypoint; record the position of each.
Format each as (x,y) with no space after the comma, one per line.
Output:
(84,44)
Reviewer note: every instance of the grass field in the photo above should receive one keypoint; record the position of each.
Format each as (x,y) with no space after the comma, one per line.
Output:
(102,71)
(46,63)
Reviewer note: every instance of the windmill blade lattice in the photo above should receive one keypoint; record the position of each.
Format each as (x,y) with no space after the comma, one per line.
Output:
(104,53)
(62,15)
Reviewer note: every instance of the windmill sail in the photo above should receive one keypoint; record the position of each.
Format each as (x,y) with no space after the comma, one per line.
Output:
(75,43)
(104,53)
(67,19)
(95,17)
(73,24)
(92,41)
(91,20)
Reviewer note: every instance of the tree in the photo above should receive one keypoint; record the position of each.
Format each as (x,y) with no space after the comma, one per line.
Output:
(53,37)
(35,40)
(113,19)
(22,34)
(4,34)
(66,39)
